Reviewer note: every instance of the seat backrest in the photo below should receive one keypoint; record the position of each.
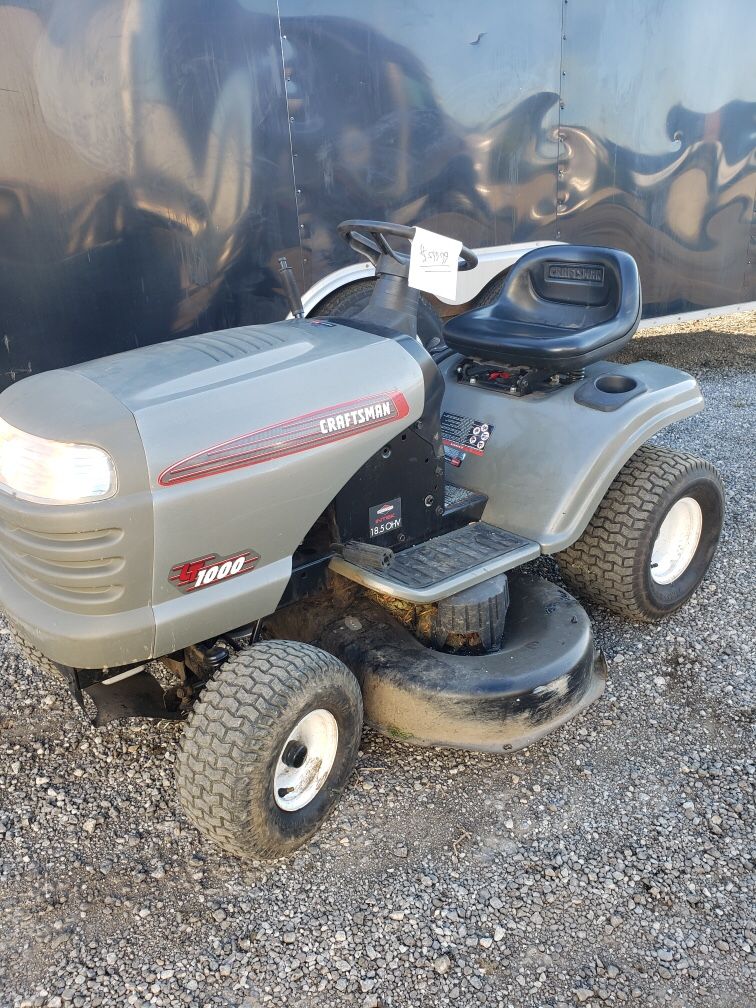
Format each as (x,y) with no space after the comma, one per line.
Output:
(571,286)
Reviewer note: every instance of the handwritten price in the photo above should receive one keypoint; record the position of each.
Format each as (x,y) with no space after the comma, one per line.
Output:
(433,257)
(433,264)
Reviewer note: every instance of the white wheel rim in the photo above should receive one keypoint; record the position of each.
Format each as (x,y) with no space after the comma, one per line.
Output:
(305,760)
(677,541)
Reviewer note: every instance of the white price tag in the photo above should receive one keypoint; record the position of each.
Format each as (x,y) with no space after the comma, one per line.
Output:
(433,264)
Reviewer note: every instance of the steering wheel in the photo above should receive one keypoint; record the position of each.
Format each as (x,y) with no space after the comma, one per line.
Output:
(369,239)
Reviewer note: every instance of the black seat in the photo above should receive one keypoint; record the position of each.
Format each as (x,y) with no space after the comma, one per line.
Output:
(562,307)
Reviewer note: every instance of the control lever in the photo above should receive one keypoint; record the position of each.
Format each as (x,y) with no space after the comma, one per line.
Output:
(291,290)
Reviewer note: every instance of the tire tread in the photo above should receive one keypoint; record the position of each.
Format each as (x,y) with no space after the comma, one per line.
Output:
(601,565)
(224,737)
(32,654)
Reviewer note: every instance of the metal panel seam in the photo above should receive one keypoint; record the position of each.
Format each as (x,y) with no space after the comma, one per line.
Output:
(560,135)
(282,39)
(749,271)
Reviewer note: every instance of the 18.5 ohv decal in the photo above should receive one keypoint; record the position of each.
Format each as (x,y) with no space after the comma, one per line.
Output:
(385,517)
(205,571)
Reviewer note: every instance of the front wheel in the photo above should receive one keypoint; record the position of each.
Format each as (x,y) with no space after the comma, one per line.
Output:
(269,747)
(652,538)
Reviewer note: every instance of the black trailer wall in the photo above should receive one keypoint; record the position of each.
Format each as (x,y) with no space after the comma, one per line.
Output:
(156,155)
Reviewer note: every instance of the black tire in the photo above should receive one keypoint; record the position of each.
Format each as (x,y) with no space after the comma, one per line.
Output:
(491,292)
(33,655)
(349,301)
(234,737)
(610,564)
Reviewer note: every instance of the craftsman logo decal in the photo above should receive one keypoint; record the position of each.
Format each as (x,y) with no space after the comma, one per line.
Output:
(463,436)
(289,437)
(366,415)
(385,517)
(589,273)
(211,569)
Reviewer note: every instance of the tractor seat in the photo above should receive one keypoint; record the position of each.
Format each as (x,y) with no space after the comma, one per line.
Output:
(562,307)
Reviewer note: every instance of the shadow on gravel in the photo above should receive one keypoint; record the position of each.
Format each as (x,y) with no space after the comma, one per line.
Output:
(726,342)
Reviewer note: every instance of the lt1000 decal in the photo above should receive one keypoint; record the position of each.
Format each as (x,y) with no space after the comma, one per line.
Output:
(211,569)
(321,427)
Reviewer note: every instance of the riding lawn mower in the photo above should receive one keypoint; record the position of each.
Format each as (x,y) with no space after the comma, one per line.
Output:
(278,531)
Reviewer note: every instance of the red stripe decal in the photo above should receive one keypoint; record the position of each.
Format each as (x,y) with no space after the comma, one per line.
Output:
(289,437)
(462,447)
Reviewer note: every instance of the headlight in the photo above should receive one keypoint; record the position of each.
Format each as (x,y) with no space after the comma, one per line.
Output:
(53,472)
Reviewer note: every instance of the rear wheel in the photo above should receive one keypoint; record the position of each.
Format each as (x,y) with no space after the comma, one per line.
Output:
(652,538)
(349,301)
(269,747)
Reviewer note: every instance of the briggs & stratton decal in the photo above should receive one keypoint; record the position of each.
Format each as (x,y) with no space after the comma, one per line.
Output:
(462,436)
(386,517)
(209,570)
(302,433)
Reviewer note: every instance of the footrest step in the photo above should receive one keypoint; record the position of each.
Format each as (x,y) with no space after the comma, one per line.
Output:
(445,565)
(458,501)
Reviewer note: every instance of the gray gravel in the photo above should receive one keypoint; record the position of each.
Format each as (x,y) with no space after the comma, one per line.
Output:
(608,865)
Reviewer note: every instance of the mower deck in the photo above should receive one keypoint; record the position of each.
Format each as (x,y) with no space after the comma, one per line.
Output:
(547,671)
(445,565)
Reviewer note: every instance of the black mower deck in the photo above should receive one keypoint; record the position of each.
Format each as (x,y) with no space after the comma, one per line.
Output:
(444,565)
(546,672)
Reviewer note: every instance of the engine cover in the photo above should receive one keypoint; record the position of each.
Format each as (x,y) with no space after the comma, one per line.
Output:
(227,448)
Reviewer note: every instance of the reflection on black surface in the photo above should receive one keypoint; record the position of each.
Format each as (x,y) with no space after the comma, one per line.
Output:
(146,179)
(156,167)
(679,214)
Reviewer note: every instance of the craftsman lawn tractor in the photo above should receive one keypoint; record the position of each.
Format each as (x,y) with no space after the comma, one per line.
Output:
(314,518)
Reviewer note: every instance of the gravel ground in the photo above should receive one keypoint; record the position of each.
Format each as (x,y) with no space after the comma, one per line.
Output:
(607,865)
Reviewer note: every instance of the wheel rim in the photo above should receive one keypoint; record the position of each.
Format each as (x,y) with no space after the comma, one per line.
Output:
(305,760)
(676,541)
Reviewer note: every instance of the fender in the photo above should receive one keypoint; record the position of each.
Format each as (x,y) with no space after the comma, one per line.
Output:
(491,263)
(551,458)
